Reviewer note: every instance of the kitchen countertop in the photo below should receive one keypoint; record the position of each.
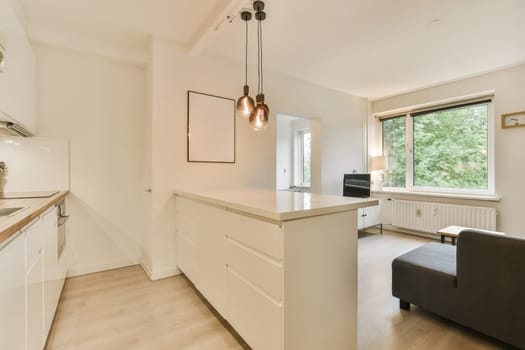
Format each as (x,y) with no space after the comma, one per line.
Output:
(277,205)
(10,225)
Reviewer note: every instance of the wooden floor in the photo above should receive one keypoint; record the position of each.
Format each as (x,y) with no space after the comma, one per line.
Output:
(382,325)
(122,309)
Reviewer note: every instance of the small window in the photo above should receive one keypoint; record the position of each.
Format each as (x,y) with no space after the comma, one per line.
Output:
(303,157)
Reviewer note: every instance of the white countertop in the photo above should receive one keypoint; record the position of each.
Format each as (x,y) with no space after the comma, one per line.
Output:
(277,205)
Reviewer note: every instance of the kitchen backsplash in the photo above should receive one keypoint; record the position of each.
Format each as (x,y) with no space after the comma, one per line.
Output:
(34,164)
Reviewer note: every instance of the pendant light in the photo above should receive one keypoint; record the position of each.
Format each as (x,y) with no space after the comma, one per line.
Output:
(245,104)
(259,117)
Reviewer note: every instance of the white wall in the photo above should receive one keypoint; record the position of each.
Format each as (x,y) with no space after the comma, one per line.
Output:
(284,153)
(100,106)
(509,86)
(34,163)
(173,72)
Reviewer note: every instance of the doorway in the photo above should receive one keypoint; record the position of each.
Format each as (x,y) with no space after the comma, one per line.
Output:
(294,154)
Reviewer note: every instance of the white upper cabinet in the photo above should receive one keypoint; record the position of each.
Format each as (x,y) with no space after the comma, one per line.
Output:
(18,78)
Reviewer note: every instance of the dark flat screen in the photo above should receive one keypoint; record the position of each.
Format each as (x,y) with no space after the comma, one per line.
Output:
(356,185)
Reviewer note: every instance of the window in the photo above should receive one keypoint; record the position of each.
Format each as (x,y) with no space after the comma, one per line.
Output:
(445,150)
(303,142)
(394,145)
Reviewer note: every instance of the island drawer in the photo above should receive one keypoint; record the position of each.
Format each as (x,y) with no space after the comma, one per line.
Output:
(186,226)
(261,236)
(258,319)
(260,270)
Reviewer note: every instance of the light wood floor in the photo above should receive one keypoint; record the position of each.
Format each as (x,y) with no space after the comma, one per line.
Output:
(382,325)
(122,309)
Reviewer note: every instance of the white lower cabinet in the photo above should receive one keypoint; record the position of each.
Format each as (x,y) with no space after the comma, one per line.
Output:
(253,314)
(34,285)
(235,263)
(31,281)
(209,255)
(12,294)
(282,285)
(254,281)
(54,271)
(369,216)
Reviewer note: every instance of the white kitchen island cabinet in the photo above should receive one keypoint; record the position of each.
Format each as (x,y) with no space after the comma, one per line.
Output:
(280,267)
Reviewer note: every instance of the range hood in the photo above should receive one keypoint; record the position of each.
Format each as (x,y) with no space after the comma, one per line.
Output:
(14,129)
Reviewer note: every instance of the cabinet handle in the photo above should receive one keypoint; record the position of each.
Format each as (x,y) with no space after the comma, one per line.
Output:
(62,219)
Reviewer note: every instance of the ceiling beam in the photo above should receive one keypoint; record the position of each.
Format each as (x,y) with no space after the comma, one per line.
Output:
(220,15)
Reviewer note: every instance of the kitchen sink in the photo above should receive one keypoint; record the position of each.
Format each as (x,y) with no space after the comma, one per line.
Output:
(10,211)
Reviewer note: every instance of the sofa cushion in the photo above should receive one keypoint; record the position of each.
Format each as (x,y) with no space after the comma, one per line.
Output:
(432,256)
(426,276)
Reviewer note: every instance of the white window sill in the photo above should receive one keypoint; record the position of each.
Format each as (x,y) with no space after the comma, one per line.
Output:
(299,189)
(490,198)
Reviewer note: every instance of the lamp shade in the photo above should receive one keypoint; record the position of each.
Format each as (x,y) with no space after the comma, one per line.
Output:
(378,163)
(259,117)
(245,106)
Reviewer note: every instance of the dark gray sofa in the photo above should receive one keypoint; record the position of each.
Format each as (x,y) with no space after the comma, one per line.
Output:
(479,284)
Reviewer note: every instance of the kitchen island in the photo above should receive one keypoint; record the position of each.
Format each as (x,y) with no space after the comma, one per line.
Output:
(280,267)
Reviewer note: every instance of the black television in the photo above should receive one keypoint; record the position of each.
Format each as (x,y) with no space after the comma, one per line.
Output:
(356,185)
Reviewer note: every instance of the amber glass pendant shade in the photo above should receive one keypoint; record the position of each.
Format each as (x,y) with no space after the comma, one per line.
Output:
(259,117)
(245,104)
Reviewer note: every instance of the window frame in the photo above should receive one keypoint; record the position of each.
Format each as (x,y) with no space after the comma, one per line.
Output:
(382,147)
(299,157)
(409,147)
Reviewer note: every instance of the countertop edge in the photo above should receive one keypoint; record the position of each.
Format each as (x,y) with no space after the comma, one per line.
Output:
(27,216)
(280,217)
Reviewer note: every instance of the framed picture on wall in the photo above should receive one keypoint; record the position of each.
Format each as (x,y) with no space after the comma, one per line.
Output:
(513,120)
(211,128)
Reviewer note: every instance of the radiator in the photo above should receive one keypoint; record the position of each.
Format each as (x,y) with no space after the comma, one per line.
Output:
(430,217)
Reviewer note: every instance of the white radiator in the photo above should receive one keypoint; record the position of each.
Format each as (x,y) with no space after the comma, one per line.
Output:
(430,217)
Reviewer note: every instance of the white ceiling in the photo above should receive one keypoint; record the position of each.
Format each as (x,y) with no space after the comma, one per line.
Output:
(124,22)
(370,48)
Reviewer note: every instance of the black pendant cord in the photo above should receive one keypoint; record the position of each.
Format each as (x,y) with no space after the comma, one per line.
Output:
(258,57)
(246,57)
(261,45)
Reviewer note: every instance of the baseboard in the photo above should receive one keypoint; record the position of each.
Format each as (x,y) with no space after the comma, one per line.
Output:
(411,232)
(147,269)
(161,273)
(92,268)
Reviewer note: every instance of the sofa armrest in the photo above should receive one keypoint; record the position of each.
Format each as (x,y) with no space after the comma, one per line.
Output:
(491,285)
(489,263)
